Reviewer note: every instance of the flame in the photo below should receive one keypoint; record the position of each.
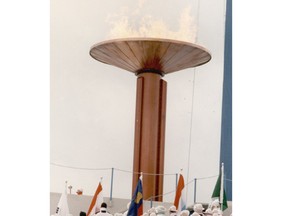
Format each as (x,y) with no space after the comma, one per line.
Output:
(135,25)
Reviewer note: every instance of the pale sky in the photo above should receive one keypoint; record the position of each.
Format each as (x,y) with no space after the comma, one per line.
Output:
(93,104)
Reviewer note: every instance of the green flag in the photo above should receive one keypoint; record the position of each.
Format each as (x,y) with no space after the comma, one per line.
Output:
(217,193)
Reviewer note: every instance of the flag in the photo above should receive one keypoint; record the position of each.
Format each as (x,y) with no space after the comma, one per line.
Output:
(136,205)
(96,201)
(219,191)
(179,201)
(62,207)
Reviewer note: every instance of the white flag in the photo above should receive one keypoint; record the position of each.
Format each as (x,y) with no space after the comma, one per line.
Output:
(62,208)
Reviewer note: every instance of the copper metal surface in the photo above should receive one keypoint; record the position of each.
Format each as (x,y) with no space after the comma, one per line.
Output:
(138,54)
(150,134)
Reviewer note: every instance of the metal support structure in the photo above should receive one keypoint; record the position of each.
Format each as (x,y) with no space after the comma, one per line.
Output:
(111,187)
(176,180)
(150,134)
(195,182)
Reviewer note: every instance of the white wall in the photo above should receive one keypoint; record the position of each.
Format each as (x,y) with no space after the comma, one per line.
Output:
(93,104)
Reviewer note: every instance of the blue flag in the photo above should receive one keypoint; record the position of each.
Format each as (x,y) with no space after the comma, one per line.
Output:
(136,206)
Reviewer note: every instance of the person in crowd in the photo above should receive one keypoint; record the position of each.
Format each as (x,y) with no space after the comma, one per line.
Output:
(151,210)
(126,212)
(198,210)
(209,210)
(160,210)
(216,212)
(103,210)
(184,213)
(172,211)
(214,208)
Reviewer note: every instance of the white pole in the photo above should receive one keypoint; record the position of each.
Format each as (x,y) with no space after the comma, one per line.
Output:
(222,186)
(66,186)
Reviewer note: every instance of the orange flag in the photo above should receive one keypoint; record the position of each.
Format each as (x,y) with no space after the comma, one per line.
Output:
(96,201)
(179,201)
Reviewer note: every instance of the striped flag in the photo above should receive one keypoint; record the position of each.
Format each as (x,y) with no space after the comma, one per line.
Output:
(179,201)
(136,206)
(96,201)
(219,191)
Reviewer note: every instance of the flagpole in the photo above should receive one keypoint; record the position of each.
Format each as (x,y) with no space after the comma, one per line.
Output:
(176,180)
(111,186)
(222,186)
(141,178)
(195,187)
(66,186)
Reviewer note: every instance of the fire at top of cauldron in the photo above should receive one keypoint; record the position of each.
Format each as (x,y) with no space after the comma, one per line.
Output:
(144,43)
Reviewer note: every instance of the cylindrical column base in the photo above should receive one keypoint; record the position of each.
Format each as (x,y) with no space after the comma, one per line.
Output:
(150,134)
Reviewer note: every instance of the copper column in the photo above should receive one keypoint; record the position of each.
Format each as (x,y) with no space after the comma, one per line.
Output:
(150,133)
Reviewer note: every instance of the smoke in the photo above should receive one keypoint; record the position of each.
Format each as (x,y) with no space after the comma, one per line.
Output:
(137,25)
